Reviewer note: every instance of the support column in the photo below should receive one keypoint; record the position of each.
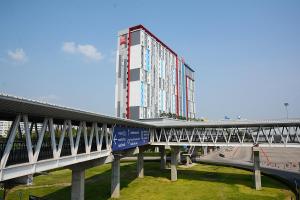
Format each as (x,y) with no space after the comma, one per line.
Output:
(115,177)
(257,174)
(77,188)
(178,156)
(163,157)
(28,179)
(204,151)
(188,160)
(140,164)
(174,155)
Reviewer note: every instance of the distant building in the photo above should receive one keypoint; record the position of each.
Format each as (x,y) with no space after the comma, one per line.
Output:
(4,128)
(151,78)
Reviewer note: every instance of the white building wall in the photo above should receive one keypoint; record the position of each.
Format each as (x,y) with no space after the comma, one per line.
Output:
(135,93)
(4,128)
(135,57)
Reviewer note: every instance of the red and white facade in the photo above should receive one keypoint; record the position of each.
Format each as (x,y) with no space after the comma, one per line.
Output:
(151,78)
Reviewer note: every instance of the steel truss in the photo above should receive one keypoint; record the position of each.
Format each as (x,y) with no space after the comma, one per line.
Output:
(91,138)
(271,136)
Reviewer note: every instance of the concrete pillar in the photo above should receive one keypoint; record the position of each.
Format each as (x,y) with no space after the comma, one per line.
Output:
(174,157)
(204,150)
(257,174)
(28,179)
(115,177)
(188,160)
(163,157)
(77,188)
(178,156)
(140,164)
(196,151)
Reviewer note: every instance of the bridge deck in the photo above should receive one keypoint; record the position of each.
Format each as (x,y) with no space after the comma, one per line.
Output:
(174,123)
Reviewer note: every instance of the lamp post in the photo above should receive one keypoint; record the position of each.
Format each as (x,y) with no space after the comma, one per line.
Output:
(286,108)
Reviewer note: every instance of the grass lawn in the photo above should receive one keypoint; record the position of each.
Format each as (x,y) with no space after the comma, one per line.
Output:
(198,182)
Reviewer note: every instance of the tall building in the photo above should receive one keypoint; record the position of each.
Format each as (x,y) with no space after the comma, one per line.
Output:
(151,78)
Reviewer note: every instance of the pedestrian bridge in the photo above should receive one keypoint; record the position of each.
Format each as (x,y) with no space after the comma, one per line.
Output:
(265,133)
(43,137)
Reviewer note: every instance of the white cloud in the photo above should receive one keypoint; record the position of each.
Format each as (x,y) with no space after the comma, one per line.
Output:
(18,55)
(87,50)
(69,47)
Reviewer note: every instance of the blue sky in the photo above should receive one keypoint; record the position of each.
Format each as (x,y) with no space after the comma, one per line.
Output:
(246,54)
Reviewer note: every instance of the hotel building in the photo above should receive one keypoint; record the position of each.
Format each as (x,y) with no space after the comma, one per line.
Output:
(151,78)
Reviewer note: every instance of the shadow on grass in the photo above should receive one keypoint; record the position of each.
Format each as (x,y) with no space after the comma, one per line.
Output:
(98,186)
(214,176)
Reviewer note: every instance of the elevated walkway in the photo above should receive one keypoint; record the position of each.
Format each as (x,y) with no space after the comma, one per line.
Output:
(44,137)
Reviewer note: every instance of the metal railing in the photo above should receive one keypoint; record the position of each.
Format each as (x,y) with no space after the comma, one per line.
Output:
(276,135)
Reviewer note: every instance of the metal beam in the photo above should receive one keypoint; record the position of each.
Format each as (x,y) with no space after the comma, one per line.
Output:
(44,165)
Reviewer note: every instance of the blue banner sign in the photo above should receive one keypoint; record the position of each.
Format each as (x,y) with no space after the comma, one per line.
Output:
(126,138)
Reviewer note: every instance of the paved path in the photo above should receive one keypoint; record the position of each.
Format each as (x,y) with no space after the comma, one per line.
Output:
(285,175)
(282,158)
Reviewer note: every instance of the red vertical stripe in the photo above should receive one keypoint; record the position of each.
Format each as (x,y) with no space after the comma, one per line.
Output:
(177,97)
(128,78)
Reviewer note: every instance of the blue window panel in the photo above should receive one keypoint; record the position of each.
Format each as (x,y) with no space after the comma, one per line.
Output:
(161,100)
(161,69)
(147,59)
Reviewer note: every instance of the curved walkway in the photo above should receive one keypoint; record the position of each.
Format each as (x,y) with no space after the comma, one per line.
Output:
(287,176)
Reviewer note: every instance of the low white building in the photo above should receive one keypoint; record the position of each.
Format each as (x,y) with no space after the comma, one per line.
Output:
(4,127)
